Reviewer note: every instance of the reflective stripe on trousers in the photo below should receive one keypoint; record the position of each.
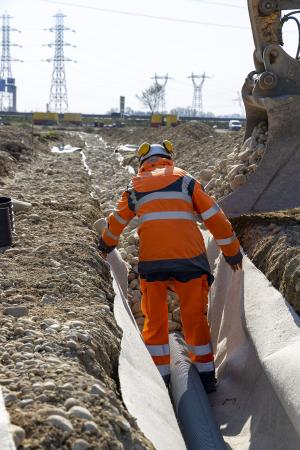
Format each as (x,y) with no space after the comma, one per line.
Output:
(205,367)
(193,299)
(159,350)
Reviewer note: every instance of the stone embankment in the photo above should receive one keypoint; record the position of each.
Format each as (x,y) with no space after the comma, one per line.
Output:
(59,339)
(234,170)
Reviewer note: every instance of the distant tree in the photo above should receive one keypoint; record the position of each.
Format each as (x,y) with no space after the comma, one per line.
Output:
(208,114)
(183,111)
(188,111)
(112,110)
(151,97)
(129,111)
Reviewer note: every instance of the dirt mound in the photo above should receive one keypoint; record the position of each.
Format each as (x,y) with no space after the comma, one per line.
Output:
(272,241)
(17,141)
(15,146)
(137,135)
(197,146)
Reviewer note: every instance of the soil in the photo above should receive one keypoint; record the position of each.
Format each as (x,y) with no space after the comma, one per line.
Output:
(63,349)
(272,242)
(196,144)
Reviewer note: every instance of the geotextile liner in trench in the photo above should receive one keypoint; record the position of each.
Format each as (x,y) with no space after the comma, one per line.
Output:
(152,406)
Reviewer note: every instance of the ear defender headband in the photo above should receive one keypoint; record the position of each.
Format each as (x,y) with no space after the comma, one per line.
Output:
(146,150)
(168,146)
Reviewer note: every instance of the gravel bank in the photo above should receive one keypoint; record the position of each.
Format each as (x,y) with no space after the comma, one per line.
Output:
(59,340)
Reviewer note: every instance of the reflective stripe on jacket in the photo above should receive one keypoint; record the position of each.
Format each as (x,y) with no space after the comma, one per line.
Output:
(167,200)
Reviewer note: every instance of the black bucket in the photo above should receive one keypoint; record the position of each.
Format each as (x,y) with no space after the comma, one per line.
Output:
(5,228)
(5,202)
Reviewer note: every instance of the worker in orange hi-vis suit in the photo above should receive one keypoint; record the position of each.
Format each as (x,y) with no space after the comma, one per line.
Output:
(167,200)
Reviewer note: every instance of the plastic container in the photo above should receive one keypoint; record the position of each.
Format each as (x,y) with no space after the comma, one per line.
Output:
(5,202)
(5,228)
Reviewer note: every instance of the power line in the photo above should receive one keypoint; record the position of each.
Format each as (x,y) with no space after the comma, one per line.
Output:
(147,16)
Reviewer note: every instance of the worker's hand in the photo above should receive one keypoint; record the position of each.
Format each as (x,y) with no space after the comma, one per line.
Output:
(236,267)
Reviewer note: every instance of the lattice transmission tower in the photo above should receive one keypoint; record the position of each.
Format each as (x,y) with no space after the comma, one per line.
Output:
(58,100)
(8,88)
(162,85)
(197,104)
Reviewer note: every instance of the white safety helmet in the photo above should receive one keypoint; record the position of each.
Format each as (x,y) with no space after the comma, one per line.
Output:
(145,151)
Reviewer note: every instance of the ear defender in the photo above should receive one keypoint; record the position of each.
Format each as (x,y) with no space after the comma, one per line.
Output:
(168,146)
(143,149)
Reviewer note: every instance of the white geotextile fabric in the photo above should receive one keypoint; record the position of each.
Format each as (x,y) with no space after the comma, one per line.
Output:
(6,440)
(257,395)
(143,390)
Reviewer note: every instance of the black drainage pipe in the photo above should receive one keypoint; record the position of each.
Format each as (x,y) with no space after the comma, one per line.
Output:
(5,228)
(194,414)
(6,202)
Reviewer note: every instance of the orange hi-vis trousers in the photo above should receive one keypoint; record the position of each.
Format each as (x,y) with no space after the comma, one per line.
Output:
(193,305)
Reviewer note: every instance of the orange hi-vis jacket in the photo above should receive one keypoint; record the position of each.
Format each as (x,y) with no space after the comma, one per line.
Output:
(167,200)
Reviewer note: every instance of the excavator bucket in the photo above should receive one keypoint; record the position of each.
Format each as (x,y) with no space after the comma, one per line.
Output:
(271,94)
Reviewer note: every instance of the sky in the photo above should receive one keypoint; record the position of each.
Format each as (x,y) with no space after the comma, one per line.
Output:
(122,44)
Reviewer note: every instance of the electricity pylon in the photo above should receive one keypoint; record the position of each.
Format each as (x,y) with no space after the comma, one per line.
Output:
(162,86)
(58,100)
(8,88)
(197,104)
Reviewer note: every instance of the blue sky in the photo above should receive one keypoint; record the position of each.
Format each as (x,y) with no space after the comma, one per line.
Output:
(122,44)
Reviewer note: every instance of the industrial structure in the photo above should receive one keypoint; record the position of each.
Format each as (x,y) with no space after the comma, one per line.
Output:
(8,88)
(58,100)
(162,86)
(197,104)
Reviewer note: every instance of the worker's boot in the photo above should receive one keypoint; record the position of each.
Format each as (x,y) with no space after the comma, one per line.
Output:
(209,381)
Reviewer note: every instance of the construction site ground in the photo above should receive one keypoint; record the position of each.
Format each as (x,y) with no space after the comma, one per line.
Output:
(59,339)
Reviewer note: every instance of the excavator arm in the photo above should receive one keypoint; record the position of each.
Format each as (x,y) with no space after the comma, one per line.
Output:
(271,93)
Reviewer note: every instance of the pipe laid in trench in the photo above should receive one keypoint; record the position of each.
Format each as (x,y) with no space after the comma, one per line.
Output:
(192,407)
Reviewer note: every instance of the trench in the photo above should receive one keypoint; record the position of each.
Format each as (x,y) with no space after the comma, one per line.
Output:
(245,382)
(255,391)
(241,412)
(153,419)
